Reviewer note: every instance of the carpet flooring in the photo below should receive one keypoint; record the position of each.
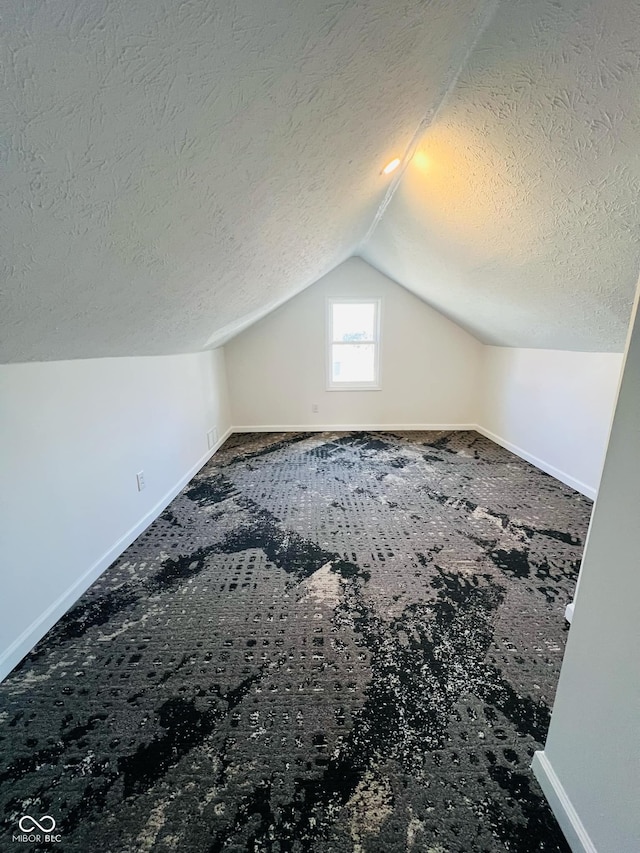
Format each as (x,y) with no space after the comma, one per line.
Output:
(334,643)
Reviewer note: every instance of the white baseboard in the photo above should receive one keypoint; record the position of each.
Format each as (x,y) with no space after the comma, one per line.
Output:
(39,627)
(565,478)
(568,612)
(567,817)
(352,427)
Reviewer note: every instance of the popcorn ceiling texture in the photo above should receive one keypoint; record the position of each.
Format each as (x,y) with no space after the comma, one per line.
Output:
(169,169)
(172,171)
(518,216)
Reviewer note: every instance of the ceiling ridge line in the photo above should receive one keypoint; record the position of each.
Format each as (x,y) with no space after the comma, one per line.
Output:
(429,117)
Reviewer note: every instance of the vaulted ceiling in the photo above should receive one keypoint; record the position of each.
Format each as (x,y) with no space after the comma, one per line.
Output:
(518,215)
(171,171)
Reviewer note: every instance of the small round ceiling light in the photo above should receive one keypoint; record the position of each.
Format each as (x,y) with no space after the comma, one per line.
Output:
(391,167)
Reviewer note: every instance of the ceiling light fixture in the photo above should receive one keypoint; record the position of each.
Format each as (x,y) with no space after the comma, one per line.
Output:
(391,167)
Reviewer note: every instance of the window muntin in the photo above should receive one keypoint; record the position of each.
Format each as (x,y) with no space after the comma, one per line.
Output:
(353,344)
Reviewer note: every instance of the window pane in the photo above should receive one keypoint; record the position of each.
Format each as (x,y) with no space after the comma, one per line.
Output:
(354,322)
(353,363)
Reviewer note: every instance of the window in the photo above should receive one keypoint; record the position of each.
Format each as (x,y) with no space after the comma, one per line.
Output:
(353,344)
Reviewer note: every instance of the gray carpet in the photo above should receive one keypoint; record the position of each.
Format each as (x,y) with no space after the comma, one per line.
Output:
(337,643)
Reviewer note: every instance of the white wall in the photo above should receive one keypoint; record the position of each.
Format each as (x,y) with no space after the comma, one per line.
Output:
(429,366)
(553,408)
(550,407)
(590,767)
(74,434)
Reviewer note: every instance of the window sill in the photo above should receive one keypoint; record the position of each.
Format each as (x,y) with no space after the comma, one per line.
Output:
(353,387)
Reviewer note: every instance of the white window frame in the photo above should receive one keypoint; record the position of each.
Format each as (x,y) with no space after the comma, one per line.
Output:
(374,385)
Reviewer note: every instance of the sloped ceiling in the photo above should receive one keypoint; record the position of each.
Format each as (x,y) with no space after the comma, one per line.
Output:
(518,215)
(171,171)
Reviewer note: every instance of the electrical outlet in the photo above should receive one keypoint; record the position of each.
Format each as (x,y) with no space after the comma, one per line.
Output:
(212,437)
(140,480)
(314,408)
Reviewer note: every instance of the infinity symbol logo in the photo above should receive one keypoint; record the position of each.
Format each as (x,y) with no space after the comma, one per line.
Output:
(28,823)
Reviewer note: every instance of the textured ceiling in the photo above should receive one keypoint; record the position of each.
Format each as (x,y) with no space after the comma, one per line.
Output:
(518,216)
(170,170)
